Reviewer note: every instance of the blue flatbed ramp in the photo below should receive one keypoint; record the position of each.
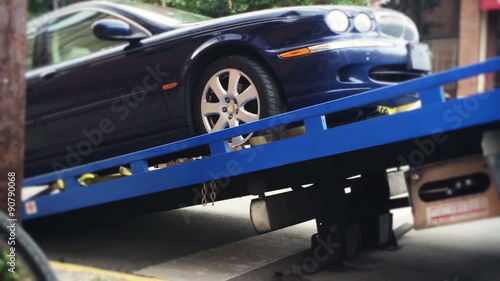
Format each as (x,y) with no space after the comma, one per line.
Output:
(435,117)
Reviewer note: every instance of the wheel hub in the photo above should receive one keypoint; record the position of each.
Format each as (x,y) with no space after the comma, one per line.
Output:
(232,107)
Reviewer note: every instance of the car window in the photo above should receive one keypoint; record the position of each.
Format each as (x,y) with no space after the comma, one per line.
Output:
(164,14)
(71,36)
(30,46)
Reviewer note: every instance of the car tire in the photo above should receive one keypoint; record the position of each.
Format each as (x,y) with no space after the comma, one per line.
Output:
(254,95)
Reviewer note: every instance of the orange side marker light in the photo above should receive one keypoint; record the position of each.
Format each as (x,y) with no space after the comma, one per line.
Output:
(169,86)
(295,53)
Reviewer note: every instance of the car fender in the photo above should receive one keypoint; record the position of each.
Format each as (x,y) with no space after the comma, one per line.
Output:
(198,56)
(215,41)
(250,40)
(245,41)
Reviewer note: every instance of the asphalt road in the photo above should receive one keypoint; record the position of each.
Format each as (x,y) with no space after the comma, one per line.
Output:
(219,243)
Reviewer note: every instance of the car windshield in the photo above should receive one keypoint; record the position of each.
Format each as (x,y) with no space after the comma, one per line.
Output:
(179,16)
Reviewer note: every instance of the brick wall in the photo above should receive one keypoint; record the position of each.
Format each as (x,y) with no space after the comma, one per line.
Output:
(491,48)
(469,42)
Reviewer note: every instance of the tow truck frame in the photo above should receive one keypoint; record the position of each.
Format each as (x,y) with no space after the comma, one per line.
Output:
(325,156)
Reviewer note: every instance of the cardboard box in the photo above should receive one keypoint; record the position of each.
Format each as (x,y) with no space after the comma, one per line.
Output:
(450,192)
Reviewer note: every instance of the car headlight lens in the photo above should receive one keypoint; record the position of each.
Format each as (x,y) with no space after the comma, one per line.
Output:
(363,22)
(397,25)
(337,21)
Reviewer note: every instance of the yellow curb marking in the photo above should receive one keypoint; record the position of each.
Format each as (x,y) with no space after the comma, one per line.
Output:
(101,272)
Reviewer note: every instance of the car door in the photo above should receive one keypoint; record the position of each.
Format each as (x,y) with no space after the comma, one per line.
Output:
(99,97)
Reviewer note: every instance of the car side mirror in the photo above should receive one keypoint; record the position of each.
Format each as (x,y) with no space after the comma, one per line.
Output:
(117,30)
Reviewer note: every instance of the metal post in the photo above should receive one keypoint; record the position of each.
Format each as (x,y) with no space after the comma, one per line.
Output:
(332,225)
(491,152)
(12,102)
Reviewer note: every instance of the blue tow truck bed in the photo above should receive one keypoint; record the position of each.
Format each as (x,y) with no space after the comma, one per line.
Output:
(438,120)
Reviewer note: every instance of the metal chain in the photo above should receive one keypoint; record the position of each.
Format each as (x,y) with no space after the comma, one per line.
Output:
(213,195)
(204,195)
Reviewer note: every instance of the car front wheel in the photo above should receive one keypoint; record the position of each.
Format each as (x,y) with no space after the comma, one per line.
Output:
(235,90)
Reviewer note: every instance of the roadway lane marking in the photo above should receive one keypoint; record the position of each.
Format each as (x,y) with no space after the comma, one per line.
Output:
(68,271)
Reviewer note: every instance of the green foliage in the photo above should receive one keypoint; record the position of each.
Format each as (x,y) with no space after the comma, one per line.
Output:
(37,7)
(218,8)
(22,271)
(5,274)
(212,8)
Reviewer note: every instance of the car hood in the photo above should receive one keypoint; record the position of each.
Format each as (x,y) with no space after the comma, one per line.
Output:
(288,12)
(316,13)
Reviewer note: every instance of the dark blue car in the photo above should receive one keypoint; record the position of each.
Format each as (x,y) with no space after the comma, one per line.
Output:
(107,78)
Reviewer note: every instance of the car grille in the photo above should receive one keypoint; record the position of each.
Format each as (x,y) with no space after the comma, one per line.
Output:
(393,74)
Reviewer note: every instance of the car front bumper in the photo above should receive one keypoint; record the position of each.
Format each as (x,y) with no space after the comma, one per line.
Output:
(333,70)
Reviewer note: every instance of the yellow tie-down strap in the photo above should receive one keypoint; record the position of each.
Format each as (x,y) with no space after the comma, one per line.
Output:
(398,109)
(89,178)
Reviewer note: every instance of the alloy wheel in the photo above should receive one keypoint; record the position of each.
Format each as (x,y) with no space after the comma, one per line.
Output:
(230,98)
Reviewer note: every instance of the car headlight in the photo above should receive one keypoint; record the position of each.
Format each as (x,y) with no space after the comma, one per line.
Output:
(337,21)
(363,22)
